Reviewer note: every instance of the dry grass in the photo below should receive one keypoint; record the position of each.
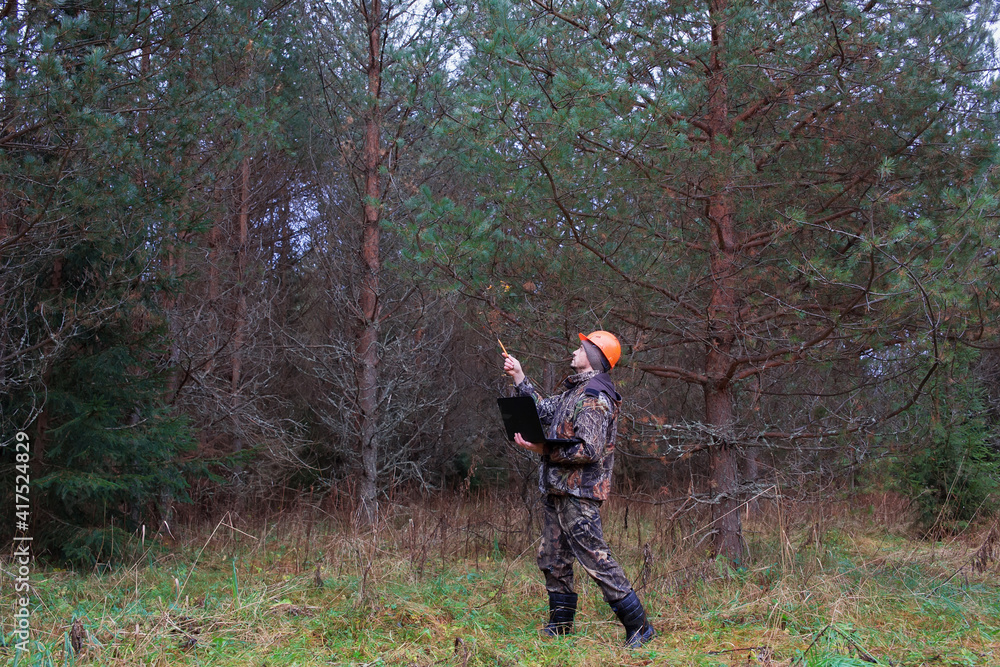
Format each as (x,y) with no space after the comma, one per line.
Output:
(452,581)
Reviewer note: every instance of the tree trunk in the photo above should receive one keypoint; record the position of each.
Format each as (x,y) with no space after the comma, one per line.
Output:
(176,263)
(722,324)
(213,297)
(240,323)
(367,342)
(10,70)
(751,465)
(285,235)
(726,520)
(751,471)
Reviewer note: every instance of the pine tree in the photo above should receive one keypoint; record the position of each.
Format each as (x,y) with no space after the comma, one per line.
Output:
(946,464)
(102,146)
(381,64)
(757,195)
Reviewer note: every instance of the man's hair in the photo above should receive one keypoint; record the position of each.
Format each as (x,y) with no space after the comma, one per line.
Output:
(596,358)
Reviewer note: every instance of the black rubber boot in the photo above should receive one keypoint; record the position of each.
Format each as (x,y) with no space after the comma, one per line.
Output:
(629,611)
(562,610)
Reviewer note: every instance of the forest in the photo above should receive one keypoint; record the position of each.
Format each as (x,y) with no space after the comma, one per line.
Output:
(258,262)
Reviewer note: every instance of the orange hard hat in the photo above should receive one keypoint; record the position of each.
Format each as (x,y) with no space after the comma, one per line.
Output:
(606,343)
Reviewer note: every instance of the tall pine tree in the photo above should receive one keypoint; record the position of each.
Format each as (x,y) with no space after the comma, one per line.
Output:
(756,195)
(382,66)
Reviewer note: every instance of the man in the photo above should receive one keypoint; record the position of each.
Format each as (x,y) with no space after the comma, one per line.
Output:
(576,479)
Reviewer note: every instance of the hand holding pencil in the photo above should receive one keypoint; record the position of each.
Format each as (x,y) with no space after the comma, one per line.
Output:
(511,366)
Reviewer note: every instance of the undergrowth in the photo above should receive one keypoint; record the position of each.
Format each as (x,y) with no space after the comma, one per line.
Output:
(452,584)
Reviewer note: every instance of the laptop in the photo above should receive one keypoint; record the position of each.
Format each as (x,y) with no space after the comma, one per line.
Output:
(520,416)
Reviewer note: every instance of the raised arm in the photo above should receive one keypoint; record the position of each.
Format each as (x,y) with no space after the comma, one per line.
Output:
(524,387)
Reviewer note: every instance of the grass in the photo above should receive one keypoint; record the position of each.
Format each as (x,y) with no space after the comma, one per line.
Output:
(454,584)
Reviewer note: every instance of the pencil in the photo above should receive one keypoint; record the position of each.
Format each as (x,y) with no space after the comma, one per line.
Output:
(503,348)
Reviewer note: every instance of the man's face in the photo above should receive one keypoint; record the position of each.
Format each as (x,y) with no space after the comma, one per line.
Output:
(580,361)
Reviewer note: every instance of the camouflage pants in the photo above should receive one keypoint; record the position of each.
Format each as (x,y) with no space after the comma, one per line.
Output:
(571,529)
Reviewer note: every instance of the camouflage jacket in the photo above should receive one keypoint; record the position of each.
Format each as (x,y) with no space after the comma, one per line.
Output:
(587,409)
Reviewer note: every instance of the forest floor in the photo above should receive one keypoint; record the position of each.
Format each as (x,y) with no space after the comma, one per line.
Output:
(454,584)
